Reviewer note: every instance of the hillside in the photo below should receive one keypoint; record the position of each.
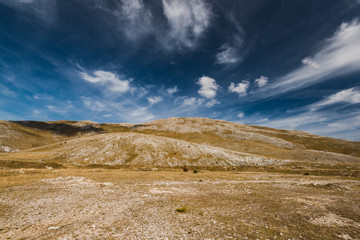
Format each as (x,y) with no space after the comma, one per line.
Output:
(168,143)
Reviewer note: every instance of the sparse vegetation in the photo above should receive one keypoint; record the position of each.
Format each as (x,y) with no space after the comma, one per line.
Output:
(273,203)
(181,210)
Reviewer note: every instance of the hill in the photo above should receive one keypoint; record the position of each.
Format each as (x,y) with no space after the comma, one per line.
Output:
(167,143)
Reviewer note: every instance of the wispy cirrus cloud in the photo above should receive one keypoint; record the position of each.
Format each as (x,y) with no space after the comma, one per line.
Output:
(171,91)
(133,18)
(44,10)
(230,52)
(349,96)
(192,101)
(310,62)
(109,80)
(129,111)
(188,20)
(154,100)
(326,123)
(6,91)
(61,108)
(323,119)
(339,55)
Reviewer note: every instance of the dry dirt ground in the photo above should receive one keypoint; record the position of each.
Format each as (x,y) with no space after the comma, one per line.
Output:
(172,204)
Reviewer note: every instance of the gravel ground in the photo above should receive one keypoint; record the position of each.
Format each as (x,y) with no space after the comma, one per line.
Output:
(116,204)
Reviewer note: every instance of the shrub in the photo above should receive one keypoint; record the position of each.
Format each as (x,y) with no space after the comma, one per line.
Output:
(306,173)
(185,168)
(195,171)
(181,210)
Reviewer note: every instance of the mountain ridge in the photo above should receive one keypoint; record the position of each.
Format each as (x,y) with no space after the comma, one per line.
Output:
(169,142)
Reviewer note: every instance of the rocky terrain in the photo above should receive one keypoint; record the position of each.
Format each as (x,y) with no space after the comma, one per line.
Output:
(178,178)
(168,143)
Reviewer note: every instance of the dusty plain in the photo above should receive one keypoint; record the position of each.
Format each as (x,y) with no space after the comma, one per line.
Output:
(172,204)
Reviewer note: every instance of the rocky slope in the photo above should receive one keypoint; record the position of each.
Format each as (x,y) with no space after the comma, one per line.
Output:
(168,142)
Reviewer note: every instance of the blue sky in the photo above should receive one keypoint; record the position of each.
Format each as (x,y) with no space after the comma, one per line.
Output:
(284,64)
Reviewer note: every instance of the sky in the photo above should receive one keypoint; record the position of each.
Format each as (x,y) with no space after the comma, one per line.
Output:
(283,64)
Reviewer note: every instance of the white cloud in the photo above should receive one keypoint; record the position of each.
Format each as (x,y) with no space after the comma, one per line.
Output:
(211,103)
(142,114)
(99,106)
(310,62)
(262,120)
(188,20)
(154,100)
(36,112)
(193,102)
(61,107)
(351,96)
(43,96)
(240,88)
(262,81)
(208,87)
(171,91)
(227,55)
(338,56)
(108,79)
(129,112)
(241,115)
(230,52)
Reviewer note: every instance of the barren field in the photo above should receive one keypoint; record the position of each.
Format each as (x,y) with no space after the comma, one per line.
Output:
(173,204)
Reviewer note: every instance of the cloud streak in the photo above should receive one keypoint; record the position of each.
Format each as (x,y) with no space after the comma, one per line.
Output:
(230,52)
(109,80)
(44,10)
(317,118)
(349,96)
(339,55)
(154,100)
